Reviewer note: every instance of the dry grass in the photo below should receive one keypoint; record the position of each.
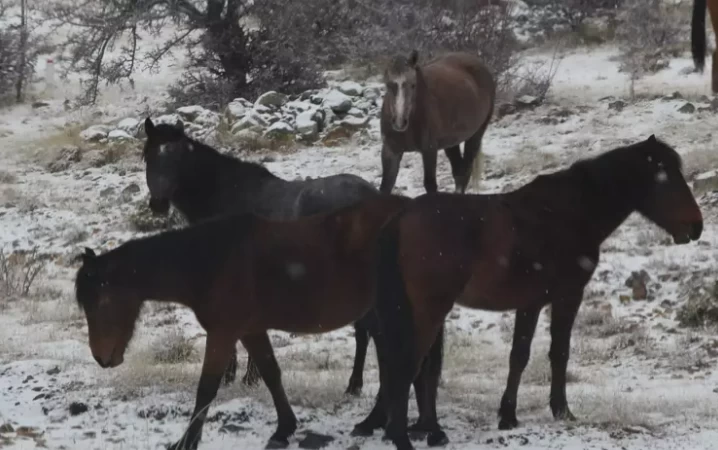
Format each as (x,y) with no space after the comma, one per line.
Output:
(527,159)
(7,177)
(69,136)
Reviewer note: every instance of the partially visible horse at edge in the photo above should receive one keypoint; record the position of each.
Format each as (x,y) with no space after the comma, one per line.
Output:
(521,250)
(241,275)
(433,106)
(203,183)
(698,37)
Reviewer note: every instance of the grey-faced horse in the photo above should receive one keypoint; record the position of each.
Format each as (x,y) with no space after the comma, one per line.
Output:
(434,106)
(203,183)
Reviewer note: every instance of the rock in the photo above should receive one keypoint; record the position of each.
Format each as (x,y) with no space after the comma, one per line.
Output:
(94,133)
(299,107)
(372,93)
(77,408)
(36,105)
(66,158)
(271,98)
(118,135)
(54,371)
(280,131)
(354,123)
(618,105)
(170,119)
(337,102)
(129,192)
(315,441)
(251,121)
(504,109)
(247,135)
(638,282)
(706,182)
(207,119)
(356,112)
(130,126)
(527,101)
(263,110)
(306,124)
(337,135)
(351,88)
(687,108)
(107,192)
(190,113)
(237,108)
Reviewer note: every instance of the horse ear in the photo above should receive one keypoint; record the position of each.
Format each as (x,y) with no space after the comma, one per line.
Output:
(413,58)
(149,127)
(180,126)
(86,257)
(652,138)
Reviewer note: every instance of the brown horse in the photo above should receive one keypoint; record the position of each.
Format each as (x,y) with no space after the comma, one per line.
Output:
(241,275)
(438,105)
(698,37)
(519,251)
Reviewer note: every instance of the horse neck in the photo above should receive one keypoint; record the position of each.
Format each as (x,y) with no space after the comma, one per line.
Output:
(607,202)
(212,183)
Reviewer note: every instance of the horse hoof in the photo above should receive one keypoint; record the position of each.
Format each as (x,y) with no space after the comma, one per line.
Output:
(362,430)
(275,443)
(508,424)
(437,439)
(565,415)
(181,446)
(353,390)
(400,444)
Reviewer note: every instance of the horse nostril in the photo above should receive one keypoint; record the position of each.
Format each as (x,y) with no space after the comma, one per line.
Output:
(99,362)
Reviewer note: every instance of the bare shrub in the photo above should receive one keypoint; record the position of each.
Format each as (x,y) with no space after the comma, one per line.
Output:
(555,17)
(650,31)
(701,305)
(173,348)
(19,271)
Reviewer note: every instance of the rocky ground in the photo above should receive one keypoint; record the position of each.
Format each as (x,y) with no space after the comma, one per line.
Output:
(639,378)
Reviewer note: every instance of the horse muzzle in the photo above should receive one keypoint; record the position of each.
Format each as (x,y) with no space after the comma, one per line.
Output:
(159,206)
(693,233)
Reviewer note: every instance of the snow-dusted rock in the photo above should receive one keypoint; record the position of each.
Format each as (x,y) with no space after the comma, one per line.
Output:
(337,102)
(95,133)
(251,121)
(271,98)
(351,88)
(190,113)
(279,130)
(306,124)
(118,135)
(170,119)
(129,125)
(237,108)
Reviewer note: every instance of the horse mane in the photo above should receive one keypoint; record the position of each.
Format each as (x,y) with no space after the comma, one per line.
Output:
(206,154)
(194,253)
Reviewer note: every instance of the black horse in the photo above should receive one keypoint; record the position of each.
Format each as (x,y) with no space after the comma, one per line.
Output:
(203,183)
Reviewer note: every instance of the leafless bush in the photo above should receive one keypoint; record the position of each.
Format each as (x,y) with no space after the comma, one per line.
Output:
(551,17)
(701,305)
(650,31)
(18,272)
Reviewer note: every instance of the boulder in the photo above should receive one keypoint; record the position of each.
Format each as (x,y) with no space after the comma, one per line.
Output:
(306,124)
(190,113)
(237,108)
(351,88)
(94,133)
(130,126)
(337,102)
(280,131)
(271,98)
(118,135)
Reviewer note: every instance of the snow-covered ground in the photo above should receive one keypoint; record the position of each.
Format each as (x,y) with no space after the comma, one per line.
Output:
(637,380)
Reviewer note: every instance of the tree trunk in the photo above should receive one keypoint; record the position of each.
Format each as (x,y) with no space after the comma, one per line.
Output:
(228,41)
(20,82)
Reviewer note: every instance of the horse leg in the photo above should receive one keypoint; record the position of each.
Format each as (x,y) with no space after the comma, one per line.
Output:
(524,329)
(457,164)
(472,160)
(218,350)
(377,417)
(251,376)
(713,11)
(260,349)
(390,162)
(562,318)
(429,159)
(356,381)
(426,386)
(230,374)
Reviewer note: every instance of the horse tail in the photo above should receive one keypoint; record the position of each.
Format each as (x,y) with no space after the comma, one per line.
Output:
(698,34)
(477,166)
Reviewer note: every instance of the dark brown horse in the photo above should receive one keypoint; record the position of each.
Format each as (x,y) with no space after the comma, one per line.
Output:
(519,251)
(698,37)
(438,105)
(241,275)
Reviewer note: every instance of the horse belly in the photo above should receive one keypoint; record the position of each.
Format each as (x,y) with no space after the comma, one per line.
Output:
(501,292)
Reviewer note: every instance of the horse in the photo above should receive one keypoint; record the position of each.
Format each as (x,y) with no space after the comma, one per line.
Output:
(521,251)
(698,37)
(202,183)
(241,275)
(434,106)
